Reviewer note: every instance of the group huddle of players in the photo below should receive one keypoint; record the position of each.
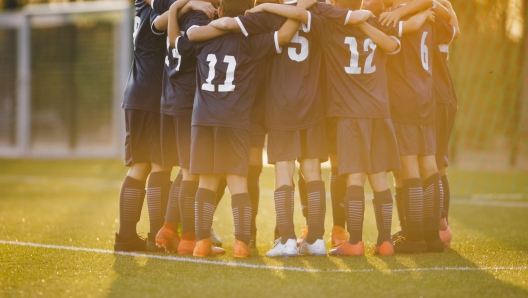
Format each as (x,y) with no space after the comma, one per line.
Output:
(363,83)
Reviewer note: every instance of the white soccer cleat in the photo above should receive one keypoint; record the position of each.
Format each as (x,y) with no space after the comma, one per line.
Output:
(318,248)
(215,240)
(288,249)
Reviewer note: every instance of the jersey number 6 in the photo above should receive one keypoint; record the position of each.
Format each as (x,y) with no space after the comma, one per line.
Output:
(227,86)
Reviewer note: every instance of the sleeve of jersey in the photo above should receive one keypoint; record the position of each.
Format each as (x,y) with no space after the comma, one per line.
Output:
(445,32)
(197,19)
(153,16)
(182,47)
(391,31)
(257,23)
(262,45)
(319,27)
(161,6)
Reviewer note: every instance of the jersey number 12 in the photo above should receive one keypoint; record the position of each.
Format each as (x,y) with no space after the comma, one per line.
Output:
(354,57)
(227,86)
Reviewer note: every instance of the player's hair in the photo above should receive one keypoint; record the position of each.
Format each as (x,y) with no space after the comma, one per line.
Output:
(234,8)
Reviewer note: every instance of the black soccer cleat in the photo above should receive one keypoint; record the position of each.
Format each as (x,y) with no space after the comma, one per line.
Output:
(151,244)
(435,245)
(397,235)
(406,246)
(253,241)
(133,243)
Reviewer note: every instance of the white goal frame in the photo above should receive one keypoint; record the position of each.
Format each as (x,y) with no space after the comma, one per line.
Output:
(22,22)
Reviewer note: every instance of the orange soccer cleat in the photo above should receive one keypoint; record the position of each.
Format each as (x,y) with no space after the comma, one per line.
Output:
(187,243)
(204,248)
(347,249)
(446,236)
(338,236)
(304,234)
(241,250)
(168,237)
(385,249)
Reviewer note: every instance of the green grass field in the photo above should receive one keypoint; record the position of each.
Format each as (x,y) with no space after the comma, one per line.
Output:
(75,203)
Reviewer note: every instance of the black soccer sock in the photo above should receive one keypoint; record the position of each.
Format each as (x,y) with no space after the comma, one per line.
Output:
(283,197)
(413,208)
(354,211)
(172,214)
(221,190)
(158,188)
(187,197)
(447,197)
(254,194)
(337,194)
(204,207)
(382,203)
(432,193)
(303,195)
(276,232)
(316,210)
(131,200)
(242,214)
(398,197)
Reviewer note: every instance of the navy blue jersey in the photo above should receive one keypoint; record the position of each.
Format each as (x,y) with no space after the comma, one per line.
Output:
(179,77)
(410,77)
(161,6)
(294,98)
(258,111)
(357,79)
(225,90)
(143,89)
(443,84)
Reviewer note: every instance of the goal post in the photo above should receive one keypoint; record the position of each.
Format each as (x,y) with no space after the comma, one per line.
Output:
(72,62)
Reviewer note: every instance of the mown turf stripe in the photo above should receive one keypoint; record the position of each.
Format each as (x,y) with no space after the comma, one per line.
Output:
(253,266)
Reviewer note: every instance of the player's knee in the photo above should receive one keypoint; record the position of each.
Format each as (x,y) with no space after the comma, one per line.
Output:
(237,184)
(356,179)
(311,169)
(255,156)
(209,181)
(139,171)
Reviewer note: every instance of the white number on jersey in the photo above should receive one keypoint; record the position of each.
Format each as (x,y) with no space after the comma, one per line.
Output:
(227,86)
(175,55)
(424,52)
(137,21)
(354,56)
(303,42)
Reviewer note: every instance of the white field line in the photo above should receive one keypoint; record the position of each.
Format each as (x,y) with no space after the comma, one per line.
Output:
(253,266)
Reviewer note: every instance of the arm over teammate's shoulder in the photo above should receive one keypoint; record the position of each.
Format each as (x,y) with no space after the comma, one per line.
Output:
(390,44)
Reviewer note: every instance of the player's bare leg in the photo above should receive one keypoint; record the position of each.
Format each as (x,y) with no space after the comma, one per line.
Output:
(284,204)
(337,194)
(398,198)
(316,194)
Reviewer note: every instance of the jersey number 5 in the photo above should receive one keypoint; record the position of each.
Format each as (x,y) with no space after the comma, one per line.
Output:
(303,42)
(227,86)
(354,57)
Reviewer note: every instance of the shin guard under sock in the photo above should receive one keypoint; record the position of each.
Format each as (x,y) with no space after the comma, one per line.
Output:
(283,197)
(204,207)
(158,188)
(354,210)
(254,194)
(242,214)
(432,192)
(413,208)
(188,191)
(131,200)
(382,203)
(316,210)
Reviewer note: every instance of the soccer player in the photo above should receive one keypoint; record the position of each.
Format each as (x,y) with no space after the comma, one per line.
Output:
(221,118)
(413,113)
(446,107)
(179,85)
(295,120)
(142,144)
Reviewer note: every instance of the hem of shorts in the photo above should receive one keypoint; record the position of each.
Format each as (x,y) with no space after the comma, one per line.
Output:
(222,125)
(353,171)
(321,159)
(419,154)
(206,172)
(416,123)
(131,162)
(384,116)
(170,113)
(140,109)
(443,102)
(297,127)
